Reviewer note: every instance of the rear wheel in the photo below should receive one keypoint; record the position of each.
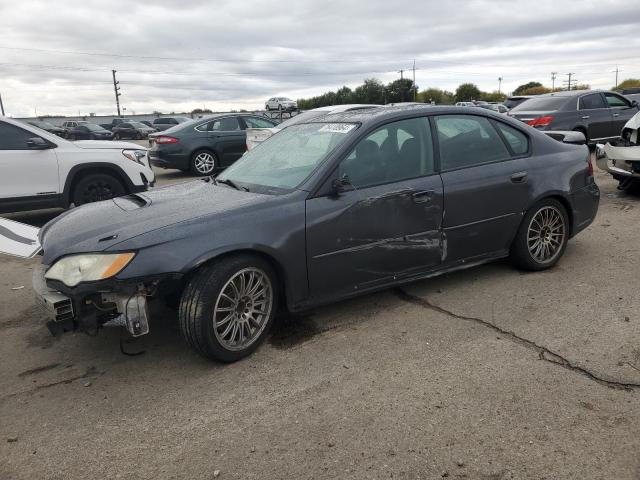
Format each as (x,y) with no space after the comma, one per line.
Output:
(117,136)
(95,187)
(227,308)
(138,136)
(542,237)
(203,162)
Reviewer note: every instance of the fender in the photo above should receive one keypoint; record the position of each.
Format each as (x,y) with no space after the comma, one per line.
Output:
(77,169)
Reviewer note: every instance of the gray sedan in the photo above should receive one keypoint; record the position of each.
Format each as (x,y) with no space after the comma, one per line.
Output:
(346,204)
(599,115)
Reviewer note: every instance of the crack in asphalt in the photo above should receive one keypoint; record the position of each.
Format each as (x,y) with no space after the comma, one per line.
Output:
(543,352)
(90,372)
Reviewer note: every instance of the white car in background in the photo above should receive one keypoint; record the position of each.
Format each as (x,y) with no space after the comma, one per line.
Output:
(621,157)
(281,103)
(42,170)
(259,135)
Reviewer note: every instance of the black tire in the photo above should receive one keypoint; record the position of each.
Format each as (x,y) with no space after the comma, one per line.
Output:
(197,157)
(95,187)
(117,136)
(520,254)
(138,136)
(202,294)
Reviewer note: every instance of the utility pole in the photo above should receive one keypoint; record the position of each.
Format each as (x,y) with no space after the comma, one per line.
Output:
(499,84)
(570,82)
(116,89)
(1,106)
(401,86)
(616,70)
(553,80)
(415,90)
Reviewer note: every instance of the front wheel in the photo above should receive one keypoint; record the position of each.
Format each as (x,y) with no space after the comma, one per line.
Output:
(542,237)
(227,308)
(96,187)
(117,136)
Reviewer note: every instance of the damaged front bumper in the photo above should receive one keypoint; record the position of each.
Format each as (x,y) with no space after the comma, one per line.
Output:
(621,161)
(87,308)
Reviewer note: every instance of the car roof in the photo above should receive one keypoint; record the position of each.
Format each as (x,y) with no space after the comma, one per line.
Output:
(382,113)
(568,93)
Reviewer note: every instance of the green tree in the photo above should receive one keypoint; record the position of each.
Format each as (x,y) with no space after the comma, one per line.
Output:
(467,92)
(371,91)
(440,97)
(627,83)
(198,111)
(399,90)
(526,86)
(493,96)
(535,90)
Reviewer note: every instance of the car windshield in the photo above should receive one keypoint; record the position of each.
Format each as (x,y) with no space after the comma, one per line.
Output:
(43,125)
(94,128)
(138,125)
(542,104)
(283,162)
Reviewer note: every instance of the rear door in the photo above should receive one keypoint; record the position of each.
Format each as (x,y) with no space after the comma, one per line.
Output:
(25,172)
(228,139)
(621,112)
(595,115)
(385,224)
(484,173)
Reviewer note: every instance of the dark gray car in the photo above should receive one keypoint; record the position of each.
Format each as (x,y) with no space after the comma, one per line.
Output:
(347,204)
(164,123)
(206,145)
(599,115)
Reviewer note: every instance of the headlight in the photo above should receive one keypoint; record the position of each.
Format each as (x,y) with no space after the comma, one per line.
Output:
(135,155)
(87,268)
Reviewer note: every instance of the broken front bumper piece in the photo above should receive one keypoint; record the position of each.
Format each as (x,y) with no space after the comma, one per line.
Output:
(620,161)
(87,313)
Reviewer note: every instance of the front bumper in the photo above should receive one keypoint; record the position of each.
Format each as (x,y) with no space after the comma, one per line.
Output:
(89,308)
(620,161)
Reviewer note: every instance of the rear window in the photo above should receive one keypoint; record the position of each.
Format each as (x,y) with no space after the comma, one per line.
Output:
(544,103)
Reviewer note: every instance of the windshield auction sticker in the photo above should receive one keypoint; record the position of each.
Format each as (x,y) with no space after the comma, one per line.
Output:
(337,127)
(18,239)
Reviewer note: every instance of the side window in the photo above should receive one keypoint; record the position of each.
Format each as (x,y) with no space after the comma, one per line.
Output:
(254,122)
(615,101)
(517,140)
(467,140)
(589,102)
(125,125)
(14,138)
(225,125)
(397,151)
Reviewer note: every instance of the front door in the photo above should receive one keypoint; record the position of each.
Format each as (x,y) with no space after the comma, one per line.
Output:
(227,139)
(385,224)
(621,111)
(25,172)
(485,173)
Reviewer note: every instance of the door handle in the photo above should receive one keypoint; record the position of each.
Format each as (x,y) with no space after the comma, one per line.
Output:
(422,197)
(584,117)
(519,177)
(616,114)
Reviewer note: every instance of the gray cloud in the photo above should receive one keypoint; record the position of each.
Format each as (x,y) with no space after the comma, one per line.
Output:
(236,54)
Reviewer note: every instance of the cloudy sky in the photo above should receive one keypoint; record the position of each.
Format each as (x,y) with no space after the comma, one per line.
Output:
(57,57)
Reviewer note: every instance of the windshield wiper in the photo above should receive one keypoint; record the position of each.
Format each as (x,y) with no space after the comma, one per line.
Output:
(231,183)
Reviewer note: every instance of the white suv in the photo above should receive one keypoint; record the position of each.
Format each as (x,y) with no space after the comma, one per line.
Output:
(41,170)
(281,103)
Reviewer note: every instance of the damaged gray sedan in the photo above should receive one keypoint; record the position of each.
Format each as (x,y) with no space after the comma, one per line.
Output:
(346,204)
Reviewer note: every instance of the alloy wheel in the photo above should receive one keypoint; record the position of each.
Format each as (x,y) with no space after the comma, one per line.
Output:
(204,163)
(97,191)
(546,233)
(242,309)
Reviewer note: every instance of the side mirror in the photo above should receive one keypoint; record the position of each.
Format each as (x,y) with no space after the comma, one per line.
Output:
(38,143)
(339,183)
(634,104)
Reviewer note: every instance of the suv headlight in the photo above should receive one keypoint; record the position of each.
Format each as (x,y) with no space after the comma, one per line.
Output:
(135,155)
(74,269)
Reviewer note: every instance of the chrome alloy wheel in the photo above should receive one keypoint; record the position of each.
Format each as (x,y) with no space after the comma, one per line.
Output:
(204,163)
(243,309)
(545,235)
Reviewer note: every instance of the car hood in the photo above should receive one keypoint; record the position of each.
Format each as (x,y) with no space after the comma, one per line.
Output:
(102,144)
(633,123)
(103,225)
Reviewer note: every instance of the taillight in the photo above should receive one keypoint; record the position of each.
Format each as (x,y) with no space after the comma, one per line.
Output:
(541,121)
(590,165)
(164,139)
